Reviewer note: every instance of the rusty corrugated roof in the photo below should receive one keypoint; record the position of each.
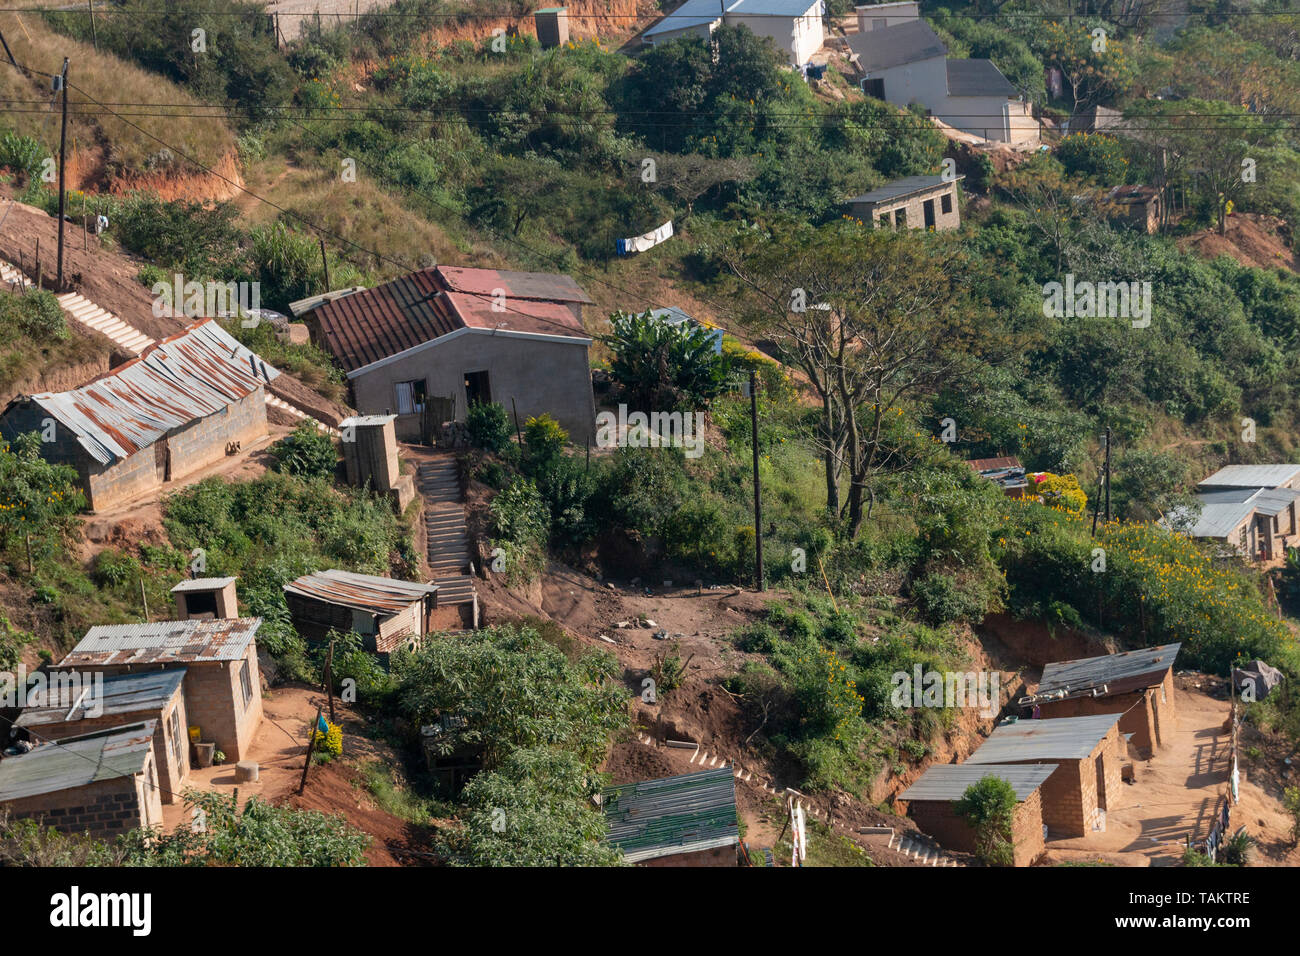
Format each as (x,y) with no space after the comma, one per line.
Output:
(77,761)
(165,642)
(185,377)
(374,324)
(365,592)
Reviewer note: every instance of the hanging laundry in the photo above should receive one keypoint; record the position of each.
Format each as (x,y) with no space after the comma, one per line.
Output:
(647,241)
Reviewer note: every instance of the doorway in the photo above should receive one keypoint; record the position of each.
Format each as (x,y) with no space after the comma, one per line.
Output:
(1101,782)
(477,388)
(928,208)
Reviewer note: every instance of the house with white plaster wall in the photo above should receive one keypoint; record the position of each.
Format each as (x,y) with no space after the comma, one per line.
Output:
(795,26)
(907,63)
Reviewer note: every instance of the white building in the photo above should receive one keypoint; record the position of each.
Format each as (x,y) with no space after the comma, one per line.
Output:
(907,63)
(795,26)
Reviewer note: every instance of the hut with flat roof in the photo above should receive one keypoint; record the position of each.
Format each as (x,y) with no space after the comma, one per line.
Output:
(931,802)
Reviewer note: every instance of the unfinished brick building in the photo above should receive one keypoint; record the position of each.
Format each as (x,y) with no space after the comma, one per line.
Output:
(103,784)
(1139,685)
(1089,755)
(222,685)
(116,701)
(184,403)
(931,802)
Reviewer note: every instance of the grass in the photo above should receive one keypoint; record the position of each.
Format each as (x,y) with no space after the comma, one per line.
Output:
(106,79)
(825,848)
(24,358)
(392,794)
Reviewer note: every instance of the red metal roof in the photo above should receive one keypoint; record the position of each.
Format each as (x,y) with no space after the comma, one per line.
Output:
(378,323)
(994,464)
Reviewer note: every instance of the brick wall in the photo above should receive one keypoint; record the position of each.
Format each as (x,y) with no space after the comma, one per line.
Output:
(914,209)
(939,819)
(173,768)
(104,809)
(1138,719)
(1164,710)
(213,699)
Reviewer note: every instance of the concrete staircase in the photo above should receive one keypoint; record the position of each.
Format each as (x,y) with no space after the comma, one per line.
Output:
(446,532)
(273,401)
(99,320)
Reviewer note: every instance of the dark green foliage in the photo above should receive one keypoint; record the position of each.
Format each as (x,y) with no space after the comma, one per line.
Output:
(663,367)
(988,806)
(308,453)
(489,426)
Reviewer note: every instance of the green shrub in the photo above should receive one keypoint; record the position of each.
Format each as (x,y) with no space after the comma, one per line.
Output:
(988,807)
(22,154)
(488,426)
(41,317)
(113,569)
(308,453)
(544,439)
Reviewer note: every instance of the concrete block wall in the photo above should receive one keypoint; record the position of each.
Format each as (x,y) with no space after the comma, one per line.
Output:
(914,206)
(106,808)
(1138,718)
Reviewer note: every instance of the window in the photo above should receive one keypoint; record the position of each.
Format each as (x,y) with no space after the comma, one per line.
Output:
(945,203)
(900,218)
(245,684)
(410,397)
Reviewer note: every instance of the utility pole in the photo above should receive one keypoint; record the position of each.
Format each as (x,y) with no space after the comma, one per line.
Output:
(758,497)
(63,155)
(94,32)
(1108,474)
(8,52)
(326,263)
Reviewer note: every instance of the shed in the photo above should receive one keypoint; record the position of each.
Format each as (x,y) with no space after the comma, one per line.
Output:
(206,599)
(429,344)
(1005,471)
(1137,684)
(794,26)
(184,403)
(1089,755)
(102,784)
(154,696)
(388,613)
(222,686)
(915,202)
(687,820)
(930,802)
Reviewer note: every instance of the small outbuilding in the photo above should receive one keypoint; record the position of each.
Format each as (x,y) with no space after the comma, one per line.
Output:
(916,202)
(206,599)
(102,784)
(931,802)
(687,820)
(1139,685)
(388,613)
(153,696)
(185,403)
(1089,757)
(222,685)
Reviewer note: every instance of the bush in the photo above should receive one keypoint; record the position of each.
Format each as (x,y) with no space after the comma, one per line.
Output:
(41,317)
(488,425)
(943,599)
(544,439)
(22,154)
(988,807)
(1093,156)
(113,569)
(308,453)
(328,743)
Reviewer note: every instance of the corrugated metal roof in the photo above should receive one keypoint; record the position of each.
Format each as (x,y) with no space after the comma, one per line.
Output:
(300,306)
(692,13)
(165,642)
(901,187)
(1272,501)
(203,584)
(893,46)
(114,694)
(186,377)
(682,814)
(1120,672)
(76,762)
(1251,476)
(949,781)
(364,421)
(375,324)
(977,78)
(1216,520)
(1064,738)
(366,592)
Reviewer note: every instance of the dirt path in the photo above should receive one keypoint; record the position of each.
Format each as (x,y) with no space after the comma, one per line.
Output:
(1176,793)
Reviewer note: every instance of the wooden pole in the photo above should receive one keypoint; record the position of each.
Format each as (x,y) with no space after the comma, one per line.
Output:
(85,231)
(63,158)
(325,262)
(94,33)
(329,679)
(518,431)
(38,263)
(758,495)
(8,52)
(144,601)
(30,569)
(1107,474)
(311,745)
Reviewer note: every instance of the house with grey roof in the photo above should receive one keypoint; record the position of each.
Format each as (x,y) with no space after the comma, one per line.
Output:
(906,62)
(102,783)
(1138,684)
(794,26)
(915,202)
(1248,509)
(686,820)
(1089,754)
(932,799)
